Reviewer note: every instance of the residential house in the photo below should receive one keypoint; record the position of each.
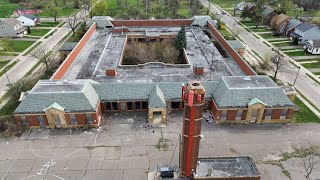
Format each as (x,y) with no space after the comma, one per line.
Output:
(11,28)
(268,14)
(238,47)
(288,27)
(29,20)
(278,20)
(242,5)
(312,46)
(305,32)
(251,7)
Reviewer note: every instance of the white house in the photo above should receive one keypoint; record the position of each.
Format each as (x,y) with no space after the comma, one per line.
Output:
(28,20)
(11,28)
(305,32)
(313,46)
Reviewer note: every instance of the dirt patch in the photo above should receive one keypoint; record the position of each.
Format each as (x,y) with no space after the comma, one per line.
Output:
(144,52)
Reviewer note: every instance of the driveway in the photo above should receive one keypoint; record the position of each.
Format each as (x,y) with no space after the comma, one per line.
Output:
(123,149)
(304,84)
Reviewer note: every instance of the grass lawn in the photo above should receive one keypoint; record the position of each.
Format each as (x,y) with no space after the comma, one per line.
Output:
(63,12)
(31,49)
(311,65)
(260,29)
(3,63)
(226,3)
(226,34)
(316,73)
(7,8)
(19,46)
(315,13)
(298,53)
(8,108)
(305,114)
(48,24)
(283,44)
(38,32)
(269,36)
(130,10)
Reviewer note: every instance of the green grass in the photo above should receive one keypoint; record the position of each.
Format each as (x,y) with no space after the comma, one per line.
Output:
(305,114)
(7,8)
(48,24)
(38,32)
(8,108)
(3,63)
(283,44)
(269,36)
(8,67)
(226,34)
(277,40)
(311,65)
(63,12)
(8,53)
(316,73)
(225,3)
(260,29)
(298,53)
(19,46)
(31,49)
(314,13)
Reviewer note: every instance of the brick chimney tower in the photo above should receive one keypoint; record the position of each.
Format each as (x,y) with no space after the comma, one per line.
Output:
(193,97)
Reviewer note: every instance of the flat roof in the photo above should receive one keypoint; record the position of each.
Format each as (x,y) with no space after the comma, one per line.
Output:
(104,49)
(246,82)
(226,167)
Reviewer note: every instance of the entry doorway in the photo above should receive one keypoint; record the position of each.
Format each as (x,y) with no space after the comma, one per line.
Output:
(157,117)
(254,116)
(57,121)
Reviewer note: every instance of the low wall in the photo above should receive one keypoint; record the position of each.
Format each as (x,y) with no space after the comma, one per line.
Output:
(74,53)
(169,22)
(237,58)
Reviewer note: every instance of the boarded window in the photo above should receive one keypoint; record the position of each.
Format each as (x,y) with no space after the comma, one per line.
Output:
(73,119)
(24,120)
(268,114)
(138,105)
(114,106)
(175,105)
(129,106)
(144,105)
(239,114)
(108,106)
(224,115)
(283,113)
(89,118)
(40,120)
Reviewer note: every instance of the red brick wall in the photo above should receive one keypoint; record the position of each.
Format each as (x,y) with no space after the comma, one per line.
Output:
(237,58)
(198,70)
(17,119)
(171,22)
(289,113)
(244,114)
(74,53)
(111,72)
(228,178)
(231,114)
(276,114)
(216,113)
(32,119)
(68,119)
(81,119)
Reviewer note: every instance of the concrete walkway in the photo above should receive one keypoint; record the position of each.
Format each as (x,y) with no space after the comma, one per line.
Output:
(293,50)
(305,57)
(290,47)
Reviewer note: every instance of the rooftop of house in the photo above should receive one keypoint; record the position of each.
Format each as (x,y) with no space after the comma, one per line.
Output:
(267,10)
(220,167)
(305,27)
(293,23)
(30,16)
(11,21)
(281,18)
(316,43)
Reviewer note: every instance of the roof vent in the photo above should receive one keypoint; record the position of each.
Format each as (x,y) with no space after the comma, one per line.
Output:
(247,78)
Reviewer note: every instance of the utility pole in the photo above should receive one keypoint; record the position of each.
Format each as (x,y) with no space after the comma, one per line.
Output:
(296,76)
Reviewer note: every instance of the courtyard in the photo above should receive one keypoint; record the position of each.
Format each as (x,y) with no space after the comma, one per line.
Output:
(125,147)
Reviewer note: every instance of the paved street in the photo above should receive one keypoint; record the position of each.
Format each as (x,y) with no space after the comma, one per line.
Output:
(124,149)
(304,84)
(27,62)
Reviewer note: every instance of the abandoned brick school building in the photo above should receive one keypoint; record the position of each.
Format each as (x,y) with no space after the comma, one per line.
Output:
(108,71)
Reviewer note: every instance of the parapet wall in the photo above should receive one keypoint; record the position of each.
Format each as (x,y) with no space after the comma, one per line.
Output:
(237,58)
(169,22)
(74,53)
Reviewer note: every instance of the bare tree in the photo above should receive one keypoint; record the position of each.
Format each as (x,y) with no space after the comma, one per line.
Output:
(72,22)
(279,63)
(310,164)
(44,56)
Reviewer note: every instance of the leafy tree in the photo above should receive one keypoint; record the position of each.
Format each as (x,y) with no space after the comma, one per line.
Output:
(257,17)
(76,4)
(245,13)
(286,7)
(53,11)
(100,9)
(181,40)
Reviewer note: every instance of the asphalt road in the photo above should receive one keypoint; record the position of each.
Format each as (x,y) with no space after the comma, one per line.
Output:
(304,84)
